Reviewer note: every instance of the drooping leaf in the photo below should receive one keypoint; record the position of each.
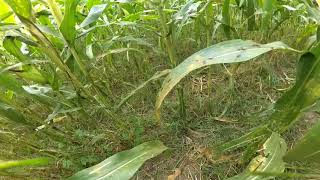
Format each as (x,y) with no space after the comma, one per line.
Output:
(21,7)
(21,163)
(270,162)
(93,15)
(122,165)
(307,148)
(232,51)
(67,27)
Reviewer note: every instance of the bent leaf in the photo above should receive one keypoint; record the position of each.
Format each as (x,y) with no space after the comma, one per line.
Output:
(93,15)
(232,51)
(122,165)
(270,162)
(308,147)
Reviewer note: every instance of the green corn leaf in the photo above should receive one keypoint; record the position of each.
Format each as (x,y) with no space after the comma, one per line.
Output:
(21,7)
(21,163)
(122,165)
(255,135)
(8,82)
(250,15)
(270,162)
(232,51)
(12,115)
(13,48)
(307,148)
(6,13)
(68,23)
(268,6)
(226,17)
(93,15)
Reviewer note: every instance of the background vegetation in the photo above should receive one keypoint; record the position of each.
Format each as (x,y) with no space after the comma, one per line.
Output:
(83,80)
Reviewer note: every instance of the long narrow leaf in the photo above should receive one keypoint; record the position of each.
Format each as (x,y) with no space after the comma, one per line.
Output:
(122,165)
(232,51)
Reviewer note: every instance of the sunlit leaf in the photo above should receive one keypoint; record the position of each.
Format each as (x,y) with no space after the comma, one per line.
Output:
(21,163)
(122,165)
(232,51)
(21,7)
(93,15)
(6,15)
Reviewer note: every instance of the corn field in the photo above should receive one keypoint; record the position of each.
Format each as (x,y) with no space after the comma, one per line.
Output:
(159,89)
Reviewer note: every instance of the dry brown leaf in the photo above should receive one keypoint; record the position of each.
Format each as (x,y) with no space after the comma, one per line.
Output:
(177,172)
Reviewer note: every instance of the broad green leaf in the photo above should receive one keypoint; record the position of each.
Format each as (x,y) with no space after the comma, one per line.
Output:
(93,15)
(270,162)
(21,163)
(122,165)
(68,23)
(21,7)
(232,51)
(307,148)
(6,13)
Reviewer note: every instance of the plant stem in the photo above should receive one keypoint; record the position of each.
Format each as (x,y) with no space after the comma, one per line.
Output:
(173,58)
